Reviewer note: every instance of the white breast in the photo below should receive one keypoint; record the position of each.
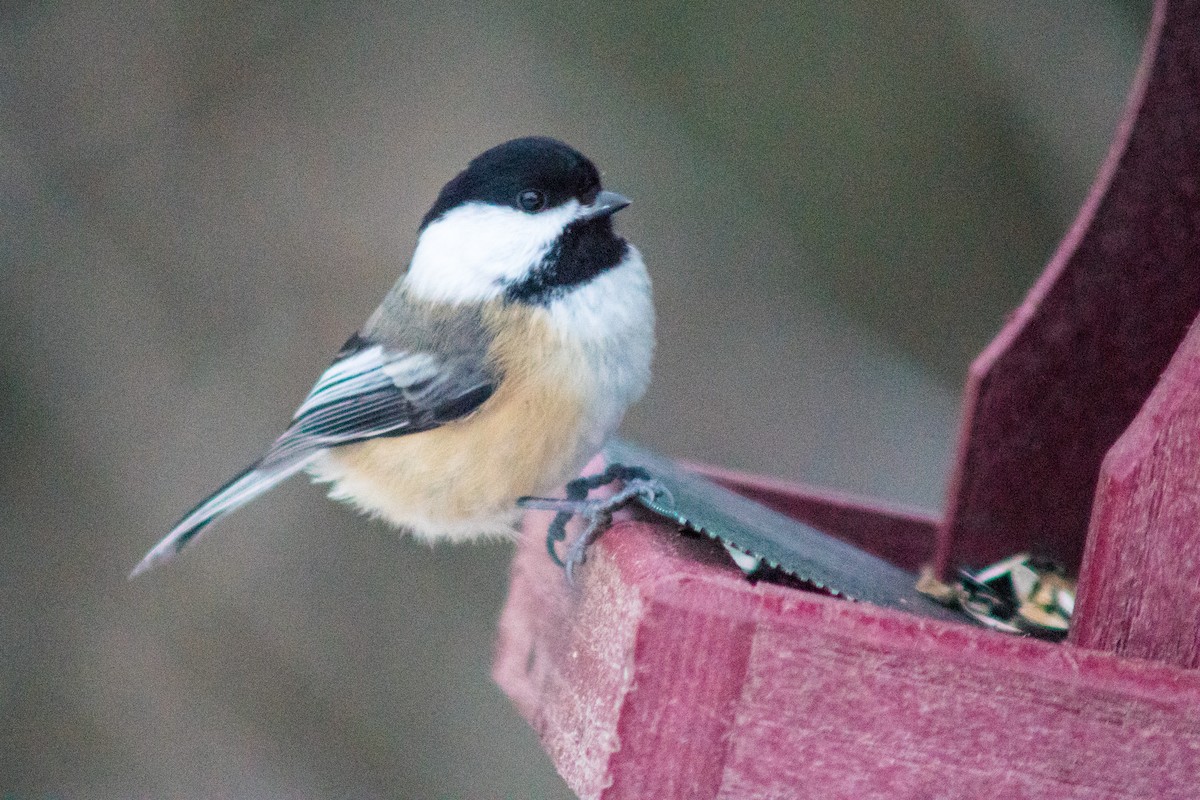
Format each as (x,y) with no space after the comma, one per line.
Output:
(611,321)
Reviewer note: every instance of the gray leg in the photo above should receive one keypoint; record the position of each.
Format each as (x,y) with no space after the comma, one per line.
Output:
(598,513)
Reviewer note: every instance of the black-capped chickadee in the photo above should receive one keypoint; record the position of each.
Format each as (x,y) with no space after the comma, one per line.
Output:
(495,368)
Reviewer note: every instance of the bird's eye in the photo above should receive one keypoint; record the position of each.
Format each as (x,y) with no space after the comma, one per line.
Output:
(531,200)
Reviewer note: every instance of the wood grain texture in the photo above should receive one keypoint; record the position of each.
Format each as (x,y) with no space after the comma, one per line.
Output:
(1139,589)
(1076,360)
(670,676)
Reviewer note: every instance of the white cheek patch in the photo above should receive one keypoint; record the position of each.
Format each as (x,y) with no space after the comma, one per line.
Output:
(472,252)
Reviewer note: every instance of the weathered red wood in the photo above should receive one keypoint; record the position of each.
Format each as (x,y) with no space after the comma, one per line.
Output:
(670,676)
(1139,589)
(1069,371)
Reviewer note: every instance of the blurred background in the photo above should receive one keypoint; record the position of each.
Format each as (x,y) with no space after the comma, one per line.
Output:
(199,201)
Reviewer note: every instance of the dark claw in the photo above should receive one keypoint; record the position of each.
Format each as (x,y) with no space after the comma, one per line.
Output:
(598,513)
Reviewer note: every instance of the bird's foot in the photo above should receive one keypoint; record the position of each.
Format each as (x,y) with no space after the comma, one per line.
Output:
(598,513)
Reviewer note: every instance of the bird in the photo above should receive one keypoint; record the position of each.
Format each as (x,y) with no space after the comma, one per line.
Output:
(495,368)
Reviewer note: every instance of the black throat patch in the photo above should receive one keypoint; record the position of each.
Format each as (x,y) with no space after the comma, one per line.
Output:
(584,250)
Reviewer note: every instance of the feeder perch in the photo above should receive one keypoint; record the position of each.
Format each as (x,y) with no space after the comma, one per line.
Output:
(668,675)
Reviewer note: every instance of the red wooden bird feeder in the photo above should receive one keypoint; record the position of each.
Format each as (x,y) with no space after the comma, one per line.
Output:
(669,675)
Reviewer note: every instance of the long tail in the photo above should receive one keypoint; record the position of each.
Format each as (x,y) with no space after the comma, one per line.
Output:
(249,484)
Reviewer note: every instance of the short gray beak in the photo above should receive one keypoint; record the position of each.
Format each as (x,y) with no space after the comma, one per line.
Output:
(606,204)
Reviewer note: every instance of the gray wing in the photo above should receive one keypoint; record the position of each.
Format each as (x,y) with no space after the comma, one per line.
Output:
(373,391)
(369,391)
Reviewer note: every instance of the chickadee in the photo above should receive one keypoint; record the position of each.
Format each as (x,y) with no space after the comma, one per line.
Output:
(495,368)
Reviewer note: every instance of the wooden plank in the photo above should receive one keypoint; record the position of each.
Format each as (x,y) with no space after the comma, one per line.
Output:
(668,675)
(1139,589)
(1070,369)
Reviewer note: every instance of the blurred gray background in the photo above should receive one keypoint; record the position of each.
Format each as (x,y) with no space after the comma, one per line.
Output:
(199,201)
